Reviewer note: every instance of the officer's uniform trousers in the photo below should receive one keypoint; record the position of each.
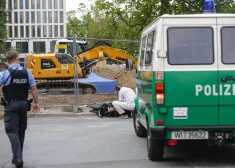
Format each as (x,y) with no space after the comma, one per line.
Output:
(15,119)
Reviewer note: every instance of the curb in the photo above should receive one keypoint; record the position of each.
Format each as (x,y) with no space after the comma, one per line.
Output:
(61,114)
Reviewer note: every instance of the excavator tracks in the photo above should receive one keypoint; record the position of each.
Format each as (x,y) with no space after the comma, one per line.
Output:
(64,87)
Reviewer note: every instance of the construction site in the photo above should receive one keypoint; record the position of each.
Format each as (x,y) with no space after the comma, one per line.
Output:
(99,69)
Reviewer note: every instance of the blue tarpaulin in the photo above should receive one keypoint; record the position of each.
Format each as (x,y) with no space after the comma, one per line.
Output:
(102,85)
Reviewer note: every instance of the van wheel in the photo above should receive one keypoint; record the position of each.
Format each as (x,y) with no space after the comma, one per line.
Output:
(139,128)
(155,147)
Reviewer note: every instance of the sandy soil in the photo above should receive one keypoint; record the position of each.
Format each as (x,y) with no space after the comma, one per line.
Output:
(117,72)
(51,100)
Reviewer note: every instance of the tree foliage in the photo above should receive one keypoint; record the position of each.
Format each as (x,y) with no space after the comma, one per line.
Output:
(3,21)
(125,19)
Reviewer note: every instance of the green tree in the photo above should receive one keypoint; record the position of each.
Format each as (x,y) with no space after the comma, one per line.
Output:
(131,16)
(3,21)
(76,25)
(196,6)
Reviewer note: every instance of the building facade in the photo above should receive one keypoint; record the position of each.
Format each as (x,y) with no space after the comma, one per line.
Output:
(35,25)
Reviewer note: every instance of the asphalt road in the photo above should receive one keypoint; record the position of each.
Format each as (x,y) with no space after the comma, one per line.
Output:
(91,142)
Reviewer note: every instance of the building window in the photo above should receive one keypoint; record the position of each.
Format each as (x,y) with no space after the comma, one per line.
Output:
(38,17)
(9,17)
(27,17)
(32,4)
(44,31)
(38,4)
(49,17)
(15,4)
(50,30)
(55,4)
(26,4)
(44,17)
(32,17)
(44,4)
(21,31)
(10,31)
(9,4)
(61,17)
(56,31)
(22,47)
(16,17)
(52,46)
(21,17)
(27,31)
(61,4)
(16,31)
(38,31)
(33,31)
(39,47)
(61,31)
(49,4)
(8,46)
(21,4)
(55,17)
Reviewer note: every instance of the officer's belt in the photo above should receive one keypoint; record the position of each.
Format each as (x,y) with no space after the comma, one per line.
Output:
(13,100)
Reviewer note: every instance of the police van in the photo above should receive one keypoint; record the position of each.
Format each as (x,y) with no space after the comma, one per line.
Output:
(186,81)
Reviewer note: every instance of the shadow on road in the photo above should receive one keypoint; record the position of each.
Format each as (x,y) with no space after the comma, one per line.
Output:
(201,155)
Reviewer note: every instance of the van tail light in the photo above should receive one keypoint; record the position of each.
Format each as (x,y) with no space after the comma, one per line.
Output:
(160,122)
(172,143)
(160,96)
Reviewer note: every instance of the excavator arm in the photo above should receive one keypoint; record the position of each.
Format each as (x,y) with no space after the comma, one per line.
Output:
(104,52)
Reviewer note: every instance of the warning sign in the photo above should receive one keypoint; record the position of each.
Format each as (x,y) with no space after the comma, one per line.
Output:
(159,75)
(32,63)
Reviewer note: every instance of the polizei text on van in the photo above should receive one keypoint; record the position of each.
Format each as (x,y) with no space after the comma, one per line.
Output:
(215,90)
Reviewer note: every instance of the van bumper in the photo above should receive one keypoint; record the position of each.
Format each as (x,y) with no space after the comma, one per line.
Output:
(161,131)
(158,132)
(207,128)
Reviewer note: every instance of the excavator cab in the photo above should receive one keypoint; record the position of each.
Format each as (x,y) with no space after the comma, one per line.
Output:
(66,46)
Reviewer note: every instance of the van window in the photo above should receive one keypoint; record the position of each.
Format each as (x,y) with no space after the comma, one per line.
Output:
(190,46)
(228,41)
(149,49)
(142,51)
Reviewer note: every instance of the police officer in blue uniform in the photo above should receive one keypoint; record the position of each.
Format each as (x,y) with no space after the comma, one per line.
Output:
(16,82)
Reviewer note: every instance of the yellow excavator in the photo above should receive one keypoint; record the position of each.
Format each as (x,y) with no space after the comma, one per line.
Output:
(56,70)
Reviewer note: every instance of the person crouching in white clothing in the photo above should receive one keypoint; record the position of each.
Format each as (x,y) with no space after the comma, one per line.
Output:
(125,101)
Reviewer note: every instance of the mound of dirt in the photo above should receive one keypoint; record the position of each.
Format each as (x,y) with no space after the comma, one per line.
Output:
(119,73)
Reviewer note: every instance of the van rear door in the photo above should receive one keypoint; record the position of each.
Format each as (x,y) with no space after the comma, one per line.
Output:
(191,76)
(226,74)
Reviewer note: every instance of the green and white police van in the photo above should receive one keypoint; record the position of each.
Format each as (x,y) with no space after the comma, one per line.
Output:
(186,81)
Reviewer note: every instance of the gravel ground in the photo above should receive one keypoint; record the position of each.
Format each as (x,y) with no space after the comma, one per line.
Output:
(48,100)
